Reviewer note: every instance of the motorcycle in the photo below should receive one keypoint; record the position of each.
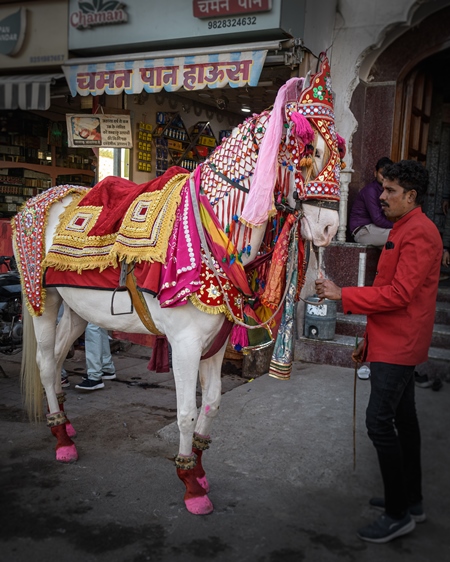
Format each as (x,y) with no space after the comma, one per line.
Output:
(11,329)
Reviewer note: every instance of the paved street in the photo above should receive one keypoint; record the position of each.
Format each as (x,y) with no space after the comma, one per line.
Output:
(280,467)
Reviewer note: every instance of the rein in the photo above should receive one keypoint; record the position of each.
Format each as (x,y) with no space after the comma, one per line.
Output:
(227,179)
(324,204)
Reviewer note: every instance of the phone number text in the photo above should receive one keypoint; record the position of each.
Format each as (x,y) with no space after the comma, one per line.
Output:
(232,22)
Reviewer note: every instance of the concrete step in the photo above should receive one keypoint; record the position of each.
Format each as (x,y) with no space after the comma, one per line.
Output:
(443,293)
(338,352)
(354,325)
(442,313)
(350,324)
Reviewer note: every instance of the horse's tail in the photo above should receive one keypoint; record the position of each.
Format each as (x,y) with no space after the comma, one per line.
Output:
(30,380)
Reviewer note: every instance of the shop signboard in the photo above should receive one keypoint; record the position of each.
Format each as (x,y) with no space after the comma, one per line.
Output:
(236,69)
(33,35)
(108,131)
(212,8)
(107,27)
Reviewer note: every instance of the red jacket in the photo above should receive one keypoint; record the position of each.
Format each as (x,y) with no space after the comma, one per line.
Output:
(401,304)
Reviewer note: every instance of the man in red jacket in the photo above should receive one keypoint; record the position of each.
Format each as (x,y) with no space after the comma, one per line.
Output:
(400,308)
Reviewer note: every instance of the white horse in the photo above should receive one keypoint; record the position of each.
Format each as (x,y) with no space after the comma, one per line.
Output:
(189,331)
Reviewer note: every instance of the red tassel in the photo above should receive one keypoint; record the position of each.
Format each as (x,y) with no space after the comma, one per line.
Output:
(302,128)
(239,337)
(341,146)
(159,360)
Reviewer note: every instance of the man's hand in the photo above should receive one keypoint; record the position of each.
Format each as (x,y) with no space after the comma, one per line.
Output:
(446,258)
(445,205)
(326,289)
(358,352)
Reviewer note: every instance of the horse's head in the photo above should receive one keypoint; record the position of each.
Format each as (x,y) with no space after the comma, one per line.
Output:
(300,155)
(312,152)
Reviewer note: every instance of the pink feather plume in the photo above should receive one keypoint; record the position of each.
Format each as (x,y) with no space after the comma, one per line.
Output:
(302,128)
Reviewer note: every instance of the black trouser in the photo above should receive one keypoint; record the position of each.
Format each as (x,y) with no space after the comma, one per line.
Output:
(393,427)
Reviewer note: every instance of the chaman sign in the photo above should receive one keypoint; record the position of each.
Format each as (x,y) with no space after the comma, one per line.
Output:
(98,12)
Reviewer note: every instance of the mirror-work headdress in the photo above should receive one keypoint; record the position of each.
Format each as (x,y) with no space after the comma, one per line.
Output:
(315,108)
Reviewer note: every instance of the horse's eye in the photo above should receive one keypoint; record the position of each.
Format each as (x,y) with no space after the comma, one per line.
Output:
(317,155)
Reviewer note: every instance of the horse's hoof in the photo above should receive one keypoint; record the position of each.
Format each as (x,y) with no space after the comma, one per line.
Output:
(67,454)
(200,505)
(203,481)
(71,431)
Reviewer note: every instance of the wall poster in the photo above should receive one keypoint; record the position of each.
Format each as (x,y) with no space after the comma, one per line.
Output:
(108,131)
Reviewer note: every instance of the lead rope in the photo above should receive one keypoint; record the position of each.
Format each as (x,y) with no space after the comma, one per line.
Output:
(198,222)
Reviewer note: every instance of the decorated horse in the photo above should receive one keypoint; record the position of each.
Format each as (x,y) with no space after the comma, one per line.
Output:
(191,257)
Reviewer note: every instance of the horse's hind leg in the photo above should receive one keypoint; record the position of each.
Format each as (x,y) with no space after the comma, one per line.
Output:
(45,331)
(69,328)
(211,382)
(185,361)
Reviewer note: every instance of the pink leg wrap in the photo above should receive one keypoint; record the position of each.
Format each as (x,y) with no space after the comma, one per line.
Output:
(65,447)
(71,432)
(199,471)
(195,498)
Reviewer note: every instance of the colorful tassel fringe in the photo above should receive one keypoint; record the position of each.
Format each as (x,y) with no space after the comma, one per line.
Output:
(239,337)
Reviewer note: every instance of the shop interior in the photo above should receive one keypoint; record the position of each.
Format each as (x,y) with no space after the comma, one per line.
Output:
(180,128)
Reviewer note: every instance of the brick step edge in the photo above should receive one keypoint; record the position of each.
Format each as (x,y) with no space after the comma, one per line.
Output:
(351,324)
(338,351)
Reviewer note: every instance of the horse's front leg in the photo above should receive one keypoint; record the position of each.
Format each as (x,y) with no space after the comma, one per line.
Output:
(211,382)
(185,362)
(45,331)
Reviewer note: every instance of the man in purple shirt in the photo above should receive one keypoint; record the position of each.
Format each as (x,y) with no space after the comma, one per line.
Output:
(368,223)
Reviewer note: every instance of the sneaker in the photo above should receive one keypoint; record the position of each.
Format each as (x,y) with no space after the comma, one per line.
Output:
(65,382)
(416,511)
(108,376)
(89,384)
(364,372)
(385,528)
(422,380)
(437,384)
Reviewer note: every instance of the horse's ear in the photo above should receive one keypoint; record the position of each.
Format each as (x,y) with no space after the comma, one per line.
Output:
(307,81)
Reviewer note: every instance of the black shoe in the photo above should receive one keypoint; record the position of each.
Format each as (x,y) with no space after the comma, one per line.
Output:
(437,384)
(89,384)
(422,380)
(416,511)
(108,376)
(65,381)
(385,528)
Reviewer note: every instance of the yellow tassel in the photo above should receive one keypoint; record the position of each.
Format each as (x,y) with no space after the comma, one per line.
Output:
(306,162)
(343,165)
(264,313)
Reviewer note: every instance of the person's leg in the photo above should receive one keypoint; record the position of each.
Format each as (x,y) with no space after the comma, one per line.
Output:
(408,430)
(372,235)
(93,348)
(388,385)
(108,367)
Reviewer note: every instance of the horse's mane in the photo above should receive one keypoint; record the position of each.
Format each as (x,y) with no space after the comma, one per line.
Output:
(235,158)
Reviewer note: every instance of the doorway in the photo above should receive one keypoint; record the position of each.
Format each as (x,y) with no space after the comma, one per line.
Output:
(422,127)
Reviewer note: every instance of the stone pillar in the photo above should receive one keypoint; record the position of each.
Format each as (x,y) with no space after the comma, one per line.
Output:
(346,176)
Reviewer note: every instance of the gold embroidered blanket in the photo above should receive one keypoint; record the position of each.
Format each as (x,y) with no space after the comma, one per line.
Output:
(99,232)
